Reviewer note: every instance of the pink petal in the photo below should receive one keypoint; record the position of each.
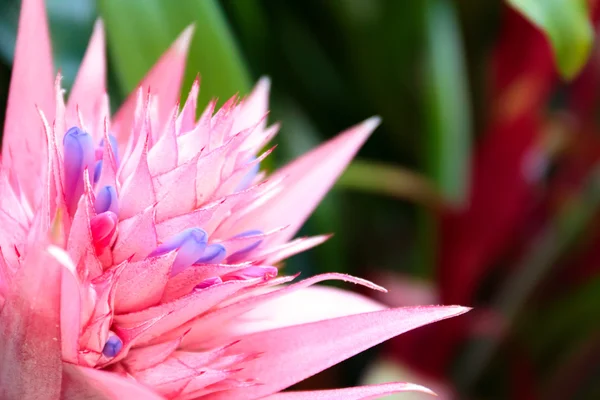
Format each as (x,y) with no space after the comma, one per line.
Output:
(89,87)
(5,277)
(273,255)
(235,244)
(30,348)
(187,118)
(294,353)
(137,237)
(190,143)
(188,372)
(210,166)
(70,309)
(10,202)
(199,217)
(173,381)
(88,383)
(59,126)
(208,328)
(141,139)
(96,333)
(140,112)
(175,191)
(184,282)
(221,123)
(137,192)
(142,283)
(315,303)
(53,198)
(254,106)
(355,393)
(225,384)
(108,174)
(164,80)
(162,157)
(179,311)
(232,182)
(245,203)
(307,180)
(12,232)
(32,83)
(149,356)
(252,111)
(80,244)
(102,119)
(129,335)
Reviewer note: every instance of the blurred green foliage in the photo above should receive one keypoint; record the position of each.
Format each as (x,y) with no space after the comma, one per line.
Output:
(139,31)
(567,25)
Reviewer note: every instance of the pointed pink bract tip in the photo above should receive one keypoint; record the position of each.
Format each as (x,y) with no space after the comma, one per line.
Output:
(419,388)
(372,123)
(99,24)
(264,82)
(458,309)
(182,44)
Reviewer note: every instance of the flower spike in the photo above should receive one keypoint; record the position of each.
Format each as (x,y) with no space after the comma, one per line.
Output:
(161,280)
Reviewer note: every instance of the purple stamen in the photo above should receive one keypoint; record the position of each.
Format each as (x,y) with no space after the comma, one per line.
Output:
(249,177)
(252,232)
(208,282)
(107,200)
(190,245)
(213,254)
(113,346)
(79,152)
(99,153)
(240,254)
(97,171)
(114,146)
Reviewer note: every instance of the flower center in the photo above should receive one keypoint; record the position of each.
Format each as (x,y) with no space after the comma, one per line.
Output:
(80,153)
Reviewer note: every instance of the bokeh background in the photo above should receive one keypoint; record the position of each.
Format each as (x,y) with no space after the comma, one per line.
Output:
(481,188)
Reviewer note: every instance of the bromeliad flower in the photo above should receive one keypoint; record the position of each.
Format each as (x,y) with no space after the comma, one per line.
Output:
(138,254)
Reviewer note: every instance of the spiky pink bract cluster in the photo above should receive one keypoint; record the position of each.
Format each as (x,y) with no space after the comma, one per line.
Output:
(139,252)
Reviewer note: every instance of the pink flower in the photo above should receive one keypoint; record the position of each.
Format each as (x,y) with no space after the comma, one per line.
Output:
(138,253)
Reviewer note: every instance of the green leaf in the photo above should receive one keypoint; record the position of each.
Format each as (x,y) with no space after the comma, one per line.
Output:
(383,179)
(139,31)
(448,114)
(567,24)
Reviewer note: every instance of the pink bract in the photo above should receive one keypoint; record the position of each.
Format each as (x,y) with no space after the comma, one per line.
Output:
(139,253)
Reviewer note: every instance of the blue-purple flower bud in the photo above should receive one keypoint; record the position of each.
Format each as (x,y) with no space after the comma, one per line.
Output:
(190,245)
(240,254)
(107,200)
(79,154)
(249,177)
(213,254)
(113,346)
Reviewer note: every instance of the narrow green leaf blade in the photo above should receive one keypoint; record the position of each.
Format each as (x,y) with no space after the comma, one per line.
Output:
(391,180)
(447,108)
(139,31)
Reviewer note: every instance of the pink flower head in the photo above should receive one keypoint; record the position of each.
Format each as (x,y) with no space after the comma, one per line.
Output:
(138,253)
